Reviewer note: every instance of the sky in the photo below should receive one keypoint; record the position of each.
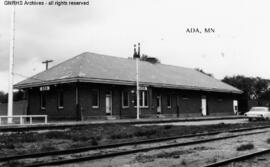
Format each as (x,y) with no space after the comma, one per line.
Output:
(239,45)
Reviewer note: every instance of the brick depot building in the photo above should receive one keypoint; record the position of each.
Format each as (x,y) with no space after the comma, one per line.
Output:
(92,86)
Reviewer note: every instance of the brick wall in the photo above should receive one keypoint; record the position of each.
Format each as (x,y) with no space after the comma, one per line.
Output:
(188,102)
(52,110)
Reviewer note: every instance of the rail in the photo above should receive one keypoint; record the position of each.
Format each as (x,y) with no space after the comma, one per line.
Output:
(22,119)
(94,157)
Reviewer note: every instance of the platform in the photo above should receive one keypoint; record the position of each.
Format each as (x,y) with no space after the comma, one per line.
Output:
(68,124)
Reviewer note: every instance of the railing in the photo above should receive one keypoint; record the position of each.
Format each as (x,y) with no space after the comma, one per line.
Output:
(22,118)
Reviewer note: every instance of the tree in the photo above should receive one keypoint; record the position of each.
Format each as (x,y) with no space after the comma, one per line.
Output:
(254,88)
(261,88)
(17,96)
(246,84)
(200,70)
(3,97)
(149,59)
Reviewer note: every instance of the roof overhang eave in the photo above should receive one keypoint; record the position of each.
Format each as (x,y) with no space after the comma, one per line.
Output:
(121,82)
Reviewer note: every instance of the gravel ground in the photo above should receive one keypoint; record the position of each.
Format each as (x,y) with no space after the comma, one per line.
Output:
(260,161)
(193,156)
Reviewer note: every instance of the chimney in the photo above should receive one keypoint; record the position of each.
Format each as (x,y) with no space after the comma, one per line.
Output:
(139,50)
(135,54)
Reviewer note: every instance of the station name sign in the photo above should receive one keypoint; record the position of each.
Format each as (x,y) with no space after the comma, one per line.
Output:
(44,88)
(143,88)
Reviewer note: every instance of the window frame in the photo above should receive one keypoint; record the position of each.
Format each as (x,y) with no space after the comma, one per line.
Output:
(59,99)
(42,100)
(123,105)
(144,99)
(95,106)
(170,100)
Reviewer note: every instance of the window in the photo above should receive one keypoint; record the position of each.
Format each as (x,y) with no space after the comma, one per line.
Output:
(125,99)
(95,98)
(169,101)
(143,99)
(60,100)
(43,100)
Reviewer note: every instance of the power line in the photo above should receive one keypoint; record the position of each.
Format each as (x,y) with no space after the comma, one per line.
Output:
(24,76)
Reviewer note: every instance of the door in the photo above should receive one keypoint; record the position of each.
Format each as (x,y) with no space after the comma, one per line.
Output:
(108,103)
(235,106)
(158,104)
(204,106)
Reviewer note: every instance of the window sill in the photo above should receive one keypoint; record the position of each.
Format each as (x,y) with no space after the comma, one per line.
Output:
(124,107)
(43,108)
(60,107)
(95,106)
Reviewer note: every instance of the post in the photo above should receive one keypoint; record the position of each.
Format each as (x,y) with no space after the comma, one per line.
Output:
(11,63)
(46,119)
(21,120)
(137,88)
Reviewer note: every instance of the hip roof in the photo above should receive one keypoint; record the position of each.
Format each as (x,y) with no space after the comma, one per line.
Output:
(98,68)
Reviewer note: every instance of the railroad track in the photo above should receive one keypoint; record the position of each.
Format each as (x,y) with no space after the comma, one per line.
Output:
(239,158)
(112,154)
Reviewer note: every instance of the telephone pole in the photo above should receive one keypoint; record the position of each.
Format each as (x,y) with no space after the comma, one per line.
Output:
(47,63)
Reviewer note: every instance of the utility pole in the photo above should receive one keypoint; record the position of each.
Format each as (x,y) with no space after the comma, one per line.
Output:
(47,63)
(11,65)
(137,88)
(137,57)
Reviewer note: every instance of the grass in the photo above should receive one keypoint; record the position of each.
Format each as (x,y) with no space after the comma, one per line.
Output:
(7,146)
(93,135)
(46,148)
(14,163)
(245,147)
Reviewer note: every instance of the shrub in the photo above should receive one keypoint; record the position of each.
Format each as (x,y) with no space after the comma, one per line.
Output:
(46,148)
(9,146)
(268,141)
(94,142)
(168,126)
(183,162)
(244,147)
(79,138)
(145,133)
(121,136)
(14,163)
(29,138)
(56,135)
